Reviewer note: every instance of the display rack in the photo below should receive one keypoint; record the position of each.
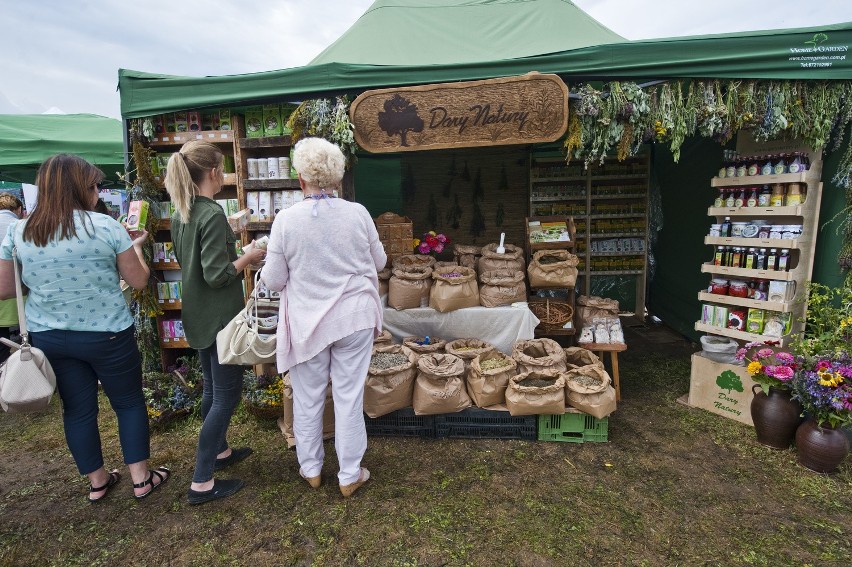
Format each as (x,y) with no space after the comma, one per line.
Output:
(609,204)
(801,247)
(543,301)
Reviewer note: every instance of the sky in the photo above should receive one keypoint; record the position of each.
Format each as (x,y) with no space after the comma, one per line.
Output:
(64,55)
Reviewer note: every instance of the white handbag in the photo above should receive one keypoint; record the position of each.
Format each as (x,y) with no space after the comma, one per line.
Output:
(27,381)
(246,340)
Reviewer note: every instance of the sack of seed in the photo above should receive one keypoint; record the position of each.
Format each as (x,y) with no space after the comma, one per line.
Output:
(466,255)
(579,356)
(425,345)
(488,378)
(390,379)
(384,339)
(285,422)
(537,392)
(384,281)
(445,265)
(453,288)
(589,389)
(409,288)
(550,268)
(539,354)
(468,349)
(511,259)
(413,261)
(501,287)
(439,387)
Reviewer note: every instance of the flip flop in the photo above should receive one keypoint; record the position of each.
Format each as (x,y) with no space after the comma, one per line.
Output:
(159,471)
(114,477)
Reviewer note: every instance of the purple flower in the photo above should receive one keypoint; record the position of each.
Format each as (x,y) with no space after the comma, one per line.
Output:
(784,358)
(423,248)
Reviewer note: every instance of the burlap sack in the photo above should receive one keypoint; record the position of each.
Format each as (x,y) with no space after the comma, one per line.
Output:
(501,287)
(536,400)
(598,398)
(445,265)
(435,345)
(384,339)
(439,387)
(539,354)
(488,387)
(285,422)
(552,268)
(466,255)
(450,291)
(468,349)
(384,281)
(413,261)
(390,389)
(579,356)
(591,306)
(409,288)
(512,259)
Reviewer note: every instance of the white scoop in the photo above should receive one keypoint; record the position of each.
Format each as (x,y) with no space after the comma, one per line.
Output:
(501,249)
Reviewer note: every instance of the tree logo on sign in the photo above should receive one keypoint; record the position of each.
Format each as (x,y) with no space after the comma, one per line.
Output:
(400,117)
(729,380)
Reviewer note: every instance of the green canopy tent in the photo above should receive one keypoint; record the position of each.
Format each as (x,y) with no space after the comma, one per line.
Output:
(410,42)
(26,140)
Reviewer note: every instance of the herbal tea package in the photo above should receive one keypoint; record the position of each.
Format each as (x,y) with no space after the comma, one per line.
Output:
(390,379)
(539,392)
(539,354)
(488,378)
(453,288)
(439,387)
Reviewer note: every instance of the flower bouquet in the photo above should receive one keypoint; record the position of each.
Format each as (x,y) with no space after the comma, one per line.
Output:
(174,394)
(767,365)
(824,387)
(262,395)
(431,242)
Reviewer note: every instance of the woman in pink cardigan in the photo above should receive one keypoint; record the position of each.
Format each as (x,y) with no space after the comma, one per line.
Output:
(323,255)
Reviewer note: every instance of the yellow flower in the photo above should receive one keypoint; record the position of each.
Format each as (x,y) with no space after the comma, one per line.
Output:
(416,243)
(433,233)
(754,368)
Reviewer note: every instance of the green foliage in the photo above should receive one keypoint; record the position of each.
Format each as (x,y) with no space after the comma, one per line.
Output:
(728,380)
(828,321)
(327,119)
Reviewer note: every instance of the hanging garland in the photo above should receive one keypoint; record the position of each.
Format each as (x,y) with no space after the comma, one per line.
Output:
(327,119)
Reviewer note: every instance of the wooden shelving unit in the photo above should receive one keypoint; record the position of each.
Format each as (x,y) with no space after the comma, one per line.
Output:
(530,248)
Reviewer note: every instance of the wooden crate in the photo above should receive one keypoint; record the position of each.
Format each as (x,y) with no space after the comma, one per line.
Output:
(396,233)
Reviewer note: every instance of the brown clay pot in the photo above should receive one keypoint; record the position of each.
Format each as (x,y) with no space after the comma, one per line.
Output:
(775,417)
(821,448)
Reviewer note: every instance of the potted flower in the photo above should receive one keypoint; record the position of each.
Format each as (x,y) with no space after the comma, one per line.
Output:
(775,415)
(262,394)
(432,242)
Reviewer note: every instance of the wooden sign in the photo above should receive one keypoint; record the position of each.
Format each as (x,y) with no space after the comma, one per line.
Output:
(529,109)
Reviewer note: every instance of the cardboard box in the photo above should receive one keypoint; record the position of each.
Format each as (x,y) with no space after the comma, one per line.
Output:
(225,119)
(239,220)
(159,124)
(159,252)
(277,202)
(170,122)
(162,292)
(175,290)
(720,388)
(254,122)
(253,205)
(177,327)
(233,206)
(137,216)
(264,199)
(209,119)
(181,121)
(707,314)
(194,120)
(272,120)
(169,250)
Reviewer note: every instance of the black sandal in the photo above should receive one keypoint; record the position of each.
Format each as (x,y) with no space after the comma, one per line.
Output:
(150,480)
(114,477)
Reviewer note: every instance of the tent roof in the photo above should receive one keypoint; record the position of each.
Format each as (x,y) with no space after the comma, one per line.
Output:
(430,32)
(29,139)
(773,54)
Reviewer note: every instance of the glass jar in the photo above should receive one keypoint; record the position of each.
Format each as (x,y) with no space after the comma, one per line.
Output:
(776,198)
(763,196)
(795,196)
(763,231)
(737,229)
(752,198)
(720,198)
(776,231)
(719,286)
(780,164)
(795,165)
(739,200)
(761,291)
(729,197)
(767,165)
(715,230)
(741,167)
(737,288)
(753,166)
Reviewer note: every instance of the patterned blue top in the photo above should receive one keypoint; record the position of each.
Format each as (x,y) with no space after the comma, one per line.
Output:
(74,282)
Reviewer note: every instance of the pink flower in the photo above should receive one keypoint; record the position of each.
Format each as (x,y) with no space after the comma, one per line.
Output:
(783,373)
(441,238)
(439,248)
(423,248)
(784,358)
(764,353)
(823,365)
(740,354)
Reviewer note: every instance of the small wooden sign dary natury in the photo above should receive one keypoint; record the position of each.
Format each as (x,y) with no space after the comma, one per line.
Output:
(528,109)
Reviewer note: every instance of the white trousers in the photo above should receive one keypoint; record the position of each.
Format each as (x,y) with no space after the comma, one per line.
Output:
(345,362)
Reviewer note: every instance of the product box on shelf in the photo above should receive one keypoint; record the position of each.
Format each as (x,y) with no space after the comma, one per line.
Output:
(225,119)
(181,121)
(169,251)
(721,388)
(209,119)
(253,205)
(782,291)
(228,164)
(175,290)
(239,220)
(272,120)
(159,124)
(264,205)
(162,292)
(277,202)
(194,120)
(254,122)
(170,121)
(137,216)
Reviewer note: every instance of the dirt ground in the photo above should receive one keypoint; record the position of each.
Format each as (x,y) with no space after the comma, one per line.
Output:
(672,486)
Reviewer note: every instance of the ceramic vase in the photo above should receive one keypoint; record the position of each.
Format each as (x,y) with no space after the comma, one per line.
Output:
(821,448)
(776,417)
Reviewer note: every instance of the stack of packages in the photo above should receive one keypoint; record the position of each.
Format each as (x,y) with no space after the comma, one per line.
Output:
(598,319)
(501,276)
(410,282)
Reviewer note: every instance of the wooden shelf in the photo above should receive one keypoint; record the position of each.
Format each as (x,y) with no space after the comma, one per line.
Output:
(260,184)
(750,180)
(557,199)
(165,266)
(783,307)
(170,304)
(555,332)
(753,242)
(265,142)
(618,216)
(749,273)
(734,333)
(164,224)
(569,178)
(617,177)
(617,234)
(173,343)
(604,347)
(615,196)
(616,272)
(261,226)
(633,253)
(794,211)
(171,139)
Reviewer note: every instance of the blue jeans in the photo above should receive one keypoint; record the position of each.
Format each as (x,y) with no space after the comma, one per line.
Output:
(223,387)
(80,359)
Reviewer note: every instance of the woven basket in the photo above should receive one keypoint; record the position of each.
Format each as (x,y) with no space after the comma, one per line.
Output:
(263,412)
(167,417)
(552,313)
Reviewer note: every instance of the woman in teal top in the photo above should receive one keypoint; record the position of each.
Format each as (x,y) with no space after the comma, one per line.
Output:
(71,260)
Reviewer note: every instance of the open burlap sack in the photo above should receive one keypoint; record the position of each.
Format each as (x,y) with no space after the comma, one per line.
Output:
(384,281)
(468,349)
(435,345)
(439,387)
(579,356)
(466,255)
(487,386)
(453,288)
(445,265)
(413,261)
(390,389)
(589,389)
(539,354)
(523,398)
(409,288)
(285,422)
(591,306)
(550,268)
(501,287)
(384,339)
(511,259)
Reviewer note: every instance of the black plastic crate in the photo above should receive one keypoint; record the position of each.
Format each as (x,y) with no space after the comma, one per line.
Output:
(401,423)
(478,423)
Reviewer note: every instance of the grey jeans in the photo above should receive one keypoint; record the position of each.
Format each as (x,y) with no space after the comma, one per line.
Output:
(223,386)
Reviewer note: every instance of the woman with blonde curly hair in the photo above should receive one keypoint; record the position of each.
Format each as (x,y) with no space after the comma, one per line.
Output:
(323,255)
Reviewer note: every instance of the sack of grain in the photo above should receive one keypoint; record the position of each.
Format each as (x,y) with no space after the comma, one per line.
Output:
(439,387)
(539,392)
(390,380)
(488,378)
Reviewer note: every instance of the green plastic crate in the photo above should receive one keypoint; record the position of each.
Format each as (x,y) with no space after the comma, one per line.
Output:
(573,428)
